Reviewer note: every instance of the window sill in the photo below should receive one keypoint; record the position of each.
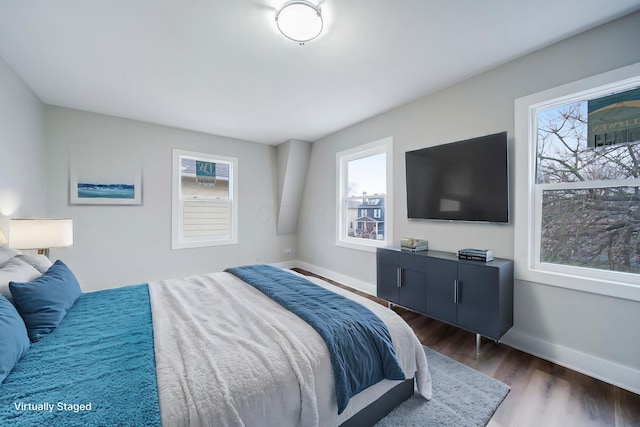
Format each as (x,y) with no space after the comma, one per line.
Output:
(203,244)
(582,283)
(371,246)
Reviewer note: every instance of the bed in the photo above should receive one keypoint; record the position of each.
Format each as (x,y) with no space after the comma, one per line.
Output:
(210,349)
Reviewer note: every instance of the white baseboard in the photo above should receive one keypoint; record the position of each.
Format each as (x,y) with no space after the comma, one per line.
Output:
(610,372)
(286,264)
(361,285)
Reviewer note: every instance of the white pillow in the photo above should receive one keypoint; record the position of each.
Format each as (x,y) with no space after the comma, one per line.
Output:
(6,254)
(15,270)
(39,262)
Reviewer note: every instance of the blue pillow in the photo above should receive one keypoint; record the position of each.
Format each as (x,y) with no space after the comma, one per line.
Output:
(14,341)
(45,301)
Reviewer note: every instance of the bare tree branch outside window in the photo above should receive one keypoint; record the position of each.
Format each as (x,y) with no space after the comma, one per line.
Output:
(593,226)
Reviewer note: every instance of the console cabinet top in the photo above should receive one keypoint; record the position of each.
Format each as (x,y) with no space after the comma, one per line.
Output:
(497,262)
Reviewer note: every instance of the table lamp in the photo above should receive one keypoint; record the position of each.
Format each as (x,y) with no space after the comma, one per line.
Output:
(40,233)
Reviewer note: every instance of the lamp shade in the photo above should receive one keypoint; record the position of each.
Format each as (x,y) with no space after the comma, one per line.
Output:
(299,20)
(40,233)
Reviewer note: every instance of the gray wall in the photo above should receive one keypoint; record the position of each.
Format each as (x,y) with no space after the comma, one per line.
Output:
(293,160)
(22,162)
(592,333)
(120,245)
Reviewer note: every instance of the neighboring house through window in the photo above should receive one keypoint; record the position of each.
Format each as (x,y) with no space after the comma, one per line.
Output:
(204,204)
(579,185)
(364,183)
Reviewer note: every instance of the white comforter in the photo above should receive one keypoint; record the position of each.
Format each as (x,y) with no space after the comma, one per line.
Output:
(227,355)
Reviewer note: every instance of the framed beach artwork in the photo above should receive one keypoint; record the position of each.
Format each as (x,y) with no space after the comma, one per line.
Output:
(100,176)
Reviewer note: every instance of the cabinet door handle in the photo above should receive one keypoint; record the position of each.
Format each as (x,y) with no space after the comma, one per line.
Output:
(399,277)
(455,291)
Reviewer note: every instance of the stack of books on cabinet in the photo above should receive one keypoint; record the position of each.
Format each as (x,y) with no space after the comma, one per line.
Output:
(413,244)
(484,255)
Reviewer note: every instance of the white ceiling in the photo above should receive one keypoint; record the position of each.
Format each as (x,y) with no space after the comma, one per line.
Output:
(221,67)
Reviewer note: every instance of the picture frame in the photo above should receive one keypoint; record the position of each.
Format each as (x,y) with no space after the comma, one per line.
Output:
(99,176)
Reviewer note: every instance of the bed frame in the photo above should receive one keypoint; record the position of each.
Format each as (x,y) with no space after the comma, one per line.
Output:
(382,406)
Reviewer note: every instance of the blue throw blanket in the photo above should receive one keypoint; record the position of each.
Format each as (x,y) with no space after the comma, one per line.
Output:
(359,343)
(96,368)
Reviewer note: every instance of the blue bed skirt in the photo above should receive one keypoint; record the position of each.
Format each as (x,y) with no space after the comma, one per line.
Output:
(96,368)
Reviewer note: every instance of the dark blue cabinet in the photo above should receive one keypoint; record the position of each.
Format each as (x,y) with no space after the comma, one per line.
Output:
(403,277)
(473,295)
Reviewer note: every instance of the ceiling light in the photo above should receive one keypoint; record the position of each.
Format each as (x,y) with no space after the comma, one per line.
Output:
(299,20)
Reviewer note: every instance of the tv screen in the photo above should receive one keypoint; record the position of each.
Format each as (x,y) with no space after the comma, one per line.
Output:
(465,180)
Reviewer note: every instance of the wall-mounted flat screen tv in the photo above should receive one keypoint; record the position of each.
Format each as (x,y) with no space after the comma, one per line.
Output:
(460,181)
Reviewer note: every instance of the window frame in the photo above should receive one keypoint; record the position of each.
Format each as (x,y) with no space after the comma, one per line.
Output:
(178,241)
(384,145)
(528,194)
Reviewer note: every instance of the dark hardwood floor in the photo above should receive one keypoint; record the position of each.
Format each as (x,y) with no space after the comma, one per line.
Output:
(542,393)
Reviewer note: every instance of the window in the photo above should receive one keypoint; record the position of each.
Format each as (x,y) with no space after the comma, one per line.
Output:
(364,183)
(204,200)
(582,204)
